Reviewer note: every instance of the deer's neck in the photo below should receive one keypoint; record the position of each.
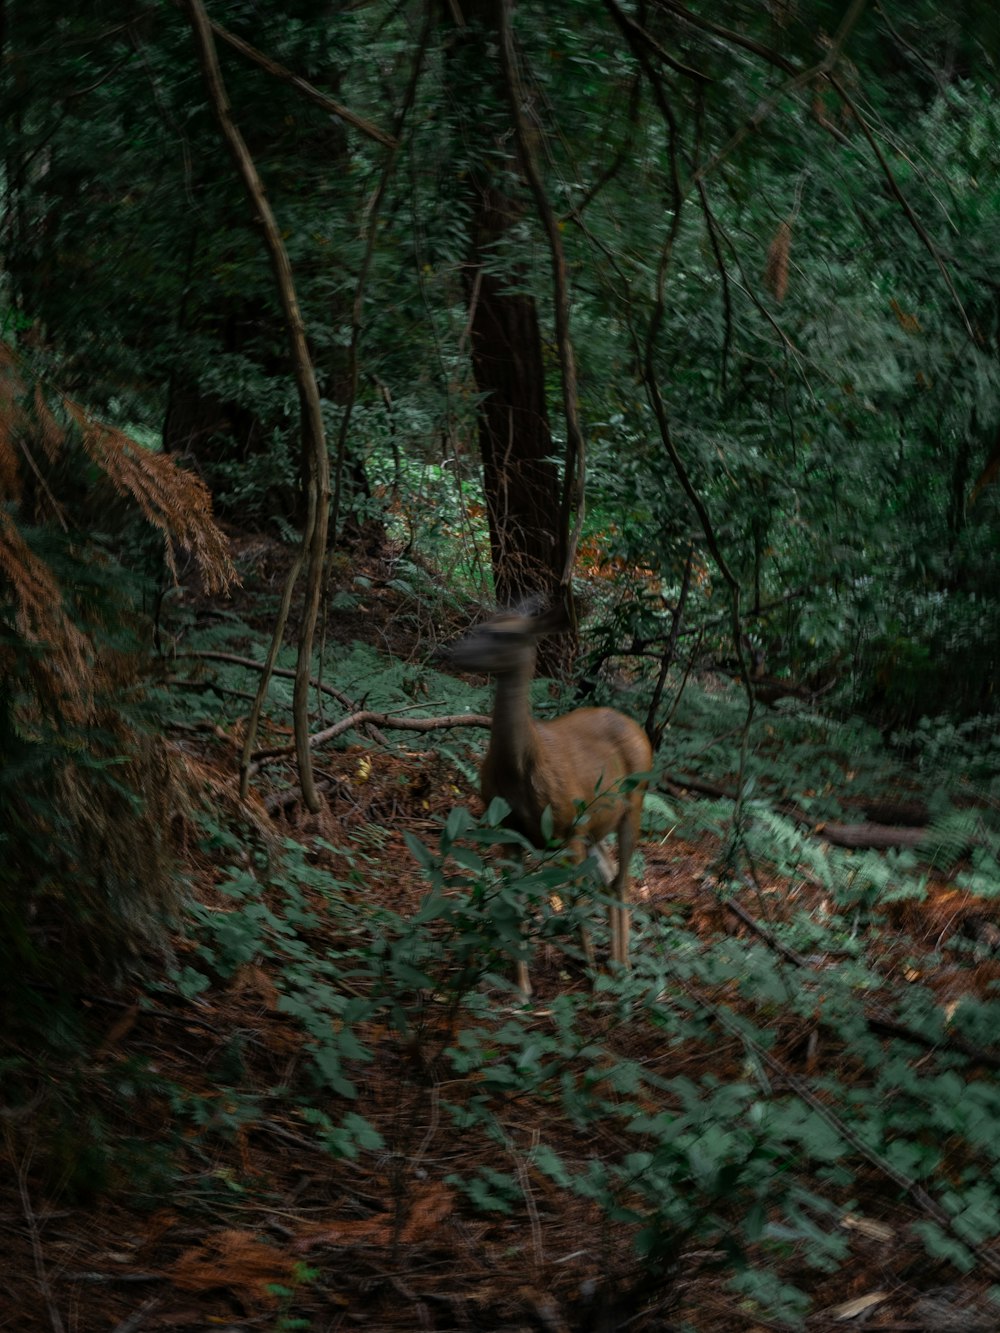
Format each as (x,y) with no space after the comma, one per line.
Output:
(512,743)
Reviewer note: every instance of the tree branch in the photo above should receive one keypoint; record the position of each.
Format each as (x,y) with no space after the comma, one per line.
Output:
(636,32)
(728,35)
(254,665)
(313,435)
(301,85)
(357,305)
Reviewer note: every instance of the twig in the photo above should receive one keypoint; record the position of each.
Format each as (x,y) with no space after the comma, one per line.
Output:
(287,674)
(207,686)
(132,1279)
(349,395)
(213,655)
(650,381)
(799,79)
(57,508)
(727,300)
(268,669)
(622,155)
(876,1018)
(906,1183)
(636,32)
(521,1167)
(655,733)
(912,51)
(728,35)
(764,934)
(902,200)
(55,1318)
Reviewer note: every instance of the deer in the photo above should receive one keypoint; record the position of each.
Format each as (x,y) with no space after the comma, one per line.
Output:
(578,766)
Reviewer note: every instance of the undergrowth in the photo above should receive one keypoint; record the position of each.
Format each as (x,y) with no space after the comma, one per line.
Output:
(728,1108)
(677,1100)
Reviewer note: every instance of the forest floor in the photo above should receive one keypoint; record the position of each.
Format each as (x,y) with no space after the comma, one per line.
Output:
(219,1211)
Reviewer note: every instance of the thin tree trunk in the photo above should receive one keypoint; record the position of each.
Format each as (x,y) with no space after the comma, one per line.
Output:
(313,435)
(349,386)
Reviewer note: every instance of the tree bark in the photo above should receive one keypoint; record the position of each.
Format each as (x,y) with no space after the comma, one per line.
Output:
(520,479)
(528,531)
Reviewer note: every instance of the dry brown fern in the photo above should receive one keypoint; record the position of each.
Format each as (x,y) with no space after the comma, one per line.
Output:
(171,499)
(97,827)
(60,676)
(174,501)
(63,673)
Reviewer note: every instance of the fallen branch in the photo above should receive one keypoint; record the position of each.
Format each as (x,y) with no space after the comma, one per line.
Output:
(877,1019)
(366,718)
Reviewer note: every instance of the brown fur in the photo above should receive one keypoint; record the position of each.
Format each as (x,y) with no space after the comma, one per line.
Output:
(574,765)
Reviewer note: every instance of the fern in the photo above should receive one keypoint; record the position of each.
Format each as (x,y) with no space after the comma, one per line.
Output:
(90,798)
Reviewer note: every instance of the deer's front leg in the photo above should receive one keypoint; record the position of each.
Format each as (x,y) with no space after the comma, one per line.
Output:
(618,912)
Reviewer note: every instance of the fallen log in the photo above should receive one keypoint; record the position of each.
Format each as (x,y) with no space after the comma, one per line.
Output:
(868,835)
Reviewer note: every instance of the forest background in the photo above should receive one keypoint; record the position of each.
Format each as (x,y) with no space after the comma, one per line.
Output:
(326,326)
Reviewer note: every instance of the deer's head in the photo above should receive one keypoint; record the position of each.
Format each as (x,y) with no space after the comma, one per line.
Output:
(506,642)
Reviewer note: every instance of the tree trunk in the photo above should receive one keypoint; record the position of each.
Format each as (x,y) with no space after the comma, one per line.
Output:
(520,479)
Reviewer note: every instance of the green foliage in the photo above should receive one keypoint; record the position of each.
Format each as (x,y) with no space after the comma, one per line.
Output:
(716,1163)
(835,427)
(490,1191)
(288,1323)
(815,304)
